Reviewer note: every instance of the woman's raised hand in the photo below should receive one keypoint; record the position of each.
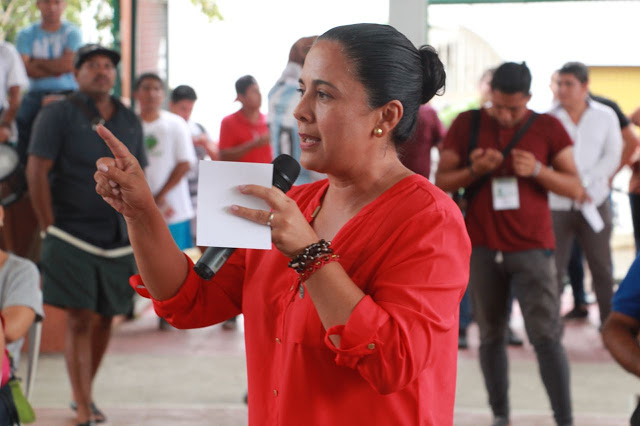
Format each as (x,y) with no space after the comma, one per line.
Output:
(290,231)
(121,181)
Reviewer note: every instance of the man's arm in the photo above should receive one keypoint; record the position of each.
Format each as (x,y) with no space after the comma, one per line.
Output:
(563,178)
(38,180)
(55,67)
(449,176)
(620,336)
(237,152)
(33,70)
(611,154)
(9,114)
(176,175)
(630,144)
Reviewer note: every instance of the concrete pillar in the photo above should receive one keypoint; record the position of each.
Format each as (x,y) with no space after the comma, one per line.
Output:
(410,18)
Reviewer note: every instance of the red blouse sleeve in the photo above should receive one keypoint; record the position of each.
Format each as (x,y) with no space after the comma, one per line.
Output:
(201,303)
(406,319)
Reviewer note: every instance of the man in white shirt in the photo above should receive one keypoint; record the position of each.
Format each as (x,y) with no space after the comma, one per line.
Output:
(597,152)
(13,80)
(171,155)
(182,101)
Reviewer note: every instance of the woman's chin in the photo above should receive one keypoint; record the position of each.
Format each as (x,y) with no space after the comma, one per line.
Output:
(308,161)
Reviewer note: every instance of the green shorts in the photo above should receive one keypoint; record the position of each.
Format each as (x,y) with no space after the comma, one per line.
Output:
(73,278)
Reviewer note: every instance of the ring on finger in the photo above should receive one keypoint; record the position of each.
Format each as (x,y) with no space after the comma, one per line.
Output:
(270,219)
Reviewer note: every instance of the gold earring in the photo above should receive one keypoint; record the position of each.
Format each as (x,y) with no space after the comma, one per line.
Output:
(377,131)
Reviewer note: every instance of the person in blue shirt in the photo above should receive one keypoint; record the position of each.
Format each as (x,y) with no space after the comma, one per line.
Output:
(283,99)
(47,48)
(620,331)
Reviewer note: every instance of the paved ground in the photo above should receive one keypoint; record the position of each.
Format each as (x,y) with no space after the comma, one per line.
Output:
(197,377)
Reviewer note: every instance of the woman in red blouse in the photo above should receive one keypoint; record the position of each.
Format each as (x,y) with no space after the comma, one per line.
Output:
(366,332)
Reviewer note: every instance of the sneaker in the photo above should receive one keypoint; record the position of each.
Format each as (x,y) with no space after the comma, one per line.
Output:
(578,312)
(513,339)
(462,339)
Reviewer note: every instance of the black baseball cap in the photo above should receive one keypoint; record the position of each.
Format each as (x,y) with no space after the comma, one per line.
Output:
(88,50)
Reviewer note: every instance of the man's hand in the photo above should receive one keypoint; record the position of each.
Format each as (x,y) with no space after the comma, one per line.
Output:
(524,163)
(485,160)
(5,134)
(262,140)
(200,140)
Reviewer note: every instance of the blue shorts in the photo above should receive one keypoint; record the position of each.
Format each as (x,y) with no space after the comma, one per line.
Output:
(181,233)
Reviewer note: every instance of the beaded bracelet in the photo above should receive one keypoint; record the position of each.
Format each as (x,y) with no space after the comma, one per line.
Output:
(312,259)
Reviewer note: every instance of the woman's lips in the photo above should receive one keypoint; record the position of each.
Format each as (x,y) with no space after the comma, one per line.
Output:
(308,141)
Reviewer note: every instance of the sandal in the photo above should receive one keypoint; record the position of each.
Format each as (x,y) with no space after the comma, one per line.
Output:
(99,415)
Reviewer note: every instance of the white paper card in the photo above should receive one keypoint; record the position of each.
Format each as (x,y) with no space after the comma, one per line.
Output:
(592,216)
(505,193)
(218,183)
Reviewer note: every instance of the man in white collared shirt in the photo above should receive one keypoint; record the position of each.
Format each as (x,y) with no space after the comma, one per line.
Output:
(597,152)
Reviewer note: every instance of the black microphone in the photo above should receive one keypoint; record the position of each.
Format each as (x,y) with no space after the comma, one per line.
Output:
(285,172)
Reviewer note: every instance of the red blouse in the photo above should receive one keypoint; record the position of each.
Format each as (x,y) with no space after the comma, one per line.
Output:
(408,250)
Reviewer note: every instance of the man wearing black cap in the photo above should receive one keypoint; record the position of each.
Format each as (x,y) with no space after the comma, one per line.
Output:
(86,256)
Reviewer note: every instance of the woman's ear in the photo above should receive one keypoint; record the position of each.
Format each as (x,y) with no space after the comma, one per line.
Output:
(390,115)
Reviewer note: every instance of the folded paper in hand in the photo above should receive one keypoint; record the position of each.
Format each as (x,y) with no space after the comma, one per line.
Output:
(592,216)
(218,183)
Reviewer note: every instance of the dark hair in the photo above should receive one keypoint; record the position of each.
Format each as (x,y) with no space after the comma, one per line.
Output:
(183,92)
(243,83)
(512,78)
(391,68)
(578,69)
(146,76)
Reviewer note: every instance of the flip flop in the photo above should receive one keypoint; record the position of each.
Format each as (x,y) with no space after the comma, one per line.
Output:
(99,415)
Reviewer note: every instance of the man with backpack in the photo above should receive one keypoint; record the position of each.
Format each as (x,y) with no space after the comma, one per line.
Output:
(507,158)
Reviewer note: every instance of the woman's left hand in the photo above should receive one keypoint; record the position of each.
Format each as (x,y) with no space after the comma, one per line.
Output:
(290,231)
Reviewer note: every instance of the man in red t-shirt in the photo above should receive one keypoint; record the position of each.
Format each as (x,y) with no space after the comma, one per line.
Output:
(416,152)
(244,136)
(509,222)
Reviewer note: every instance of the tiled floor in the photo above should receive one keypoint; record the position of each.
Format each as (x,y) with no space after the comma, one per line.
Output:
(198,377)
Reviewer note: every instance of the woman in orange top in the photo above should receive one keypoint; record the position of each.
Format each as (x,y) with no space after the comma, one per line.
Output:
(366,333)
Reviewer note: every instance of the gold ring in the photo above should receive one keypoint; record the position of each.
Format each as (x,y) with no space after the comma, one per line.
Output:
(270,219)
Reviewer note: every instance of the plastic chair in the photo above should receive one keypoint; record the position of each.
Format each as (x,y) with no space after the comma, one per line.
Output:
(35,332)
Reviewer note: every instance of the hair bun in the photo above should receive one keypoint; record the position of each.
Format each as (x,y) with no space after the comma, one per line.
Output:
(433,74)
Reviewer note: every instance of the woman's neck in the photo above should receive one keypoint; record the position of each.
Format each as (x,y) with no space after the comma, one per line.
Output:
(355,191)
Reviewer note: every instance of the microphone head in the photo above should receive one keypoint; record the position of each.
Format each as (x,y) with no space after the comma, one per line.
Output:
(285,172)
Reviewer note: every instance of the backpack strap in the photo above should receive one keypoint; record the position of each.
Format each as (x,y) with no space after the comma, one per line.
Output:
(472,190)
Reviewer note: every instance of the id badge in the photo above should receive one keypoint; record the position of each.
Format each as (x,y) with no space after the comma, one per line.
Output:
(505,193)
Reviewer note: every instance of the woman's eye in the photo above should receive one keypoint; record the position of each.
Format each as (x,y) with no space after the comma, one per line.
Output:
(323,95)
(301,91)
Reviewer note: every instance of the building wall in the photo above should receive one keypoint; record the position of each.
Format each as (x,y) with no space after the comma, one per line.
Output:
(151,40)
(466,56)
(151,43)
(622,84)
